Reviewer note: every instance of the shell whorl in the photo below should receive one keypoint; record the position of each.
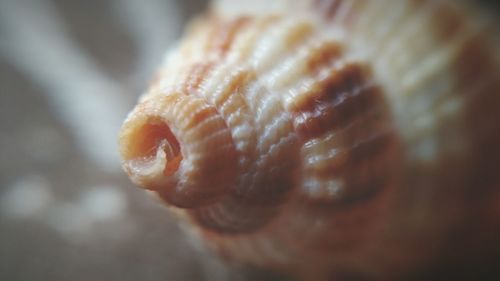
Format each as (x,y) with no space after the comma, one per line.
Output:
(156,160)
(356,129)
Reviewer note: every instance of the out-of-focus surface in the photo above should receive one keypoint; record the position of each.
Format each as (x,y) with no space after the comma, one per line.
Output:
(69,73)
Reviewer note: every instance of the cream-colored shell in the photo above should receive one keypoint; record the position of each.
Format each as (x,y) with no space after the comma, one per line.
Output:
(328,138)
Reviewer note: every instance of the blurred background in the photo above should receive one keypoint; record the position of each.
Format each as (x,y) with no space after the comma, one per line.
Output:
(70,71)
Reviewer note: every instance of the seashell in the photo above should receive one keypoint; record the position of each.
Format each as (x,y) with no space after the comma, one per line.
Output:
(329,139)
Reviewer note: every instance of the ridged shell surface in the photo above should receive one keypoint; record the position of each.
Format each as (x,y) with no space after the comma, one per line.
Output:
(329,139)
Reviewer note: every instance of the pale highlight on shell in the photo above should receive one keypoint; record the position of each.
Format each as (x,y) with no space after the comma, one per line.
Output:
(329,138)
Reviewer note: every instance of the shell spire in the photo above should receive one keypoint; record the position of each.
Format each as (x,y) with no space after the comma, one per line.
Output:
(326,139)
(178,146)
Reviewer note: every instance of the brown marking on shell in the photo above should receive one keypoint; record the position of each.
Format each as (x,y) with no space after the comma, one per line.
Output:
(322,55)
(341,12)
(196,75)
(333,102)
(346,103)
(329,8)
(224,33)
(450,21)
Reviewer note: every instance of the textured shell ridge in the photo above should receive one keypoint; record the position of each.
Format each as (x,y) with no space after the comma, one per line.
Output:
(343,133)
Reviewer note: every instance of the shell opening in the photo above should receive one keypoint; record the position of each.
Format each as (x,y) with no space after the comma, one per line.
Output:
(154,150)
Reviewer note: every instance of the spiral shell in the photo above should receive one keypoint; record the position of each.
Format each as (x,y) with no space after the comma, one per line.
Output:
(328,138)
